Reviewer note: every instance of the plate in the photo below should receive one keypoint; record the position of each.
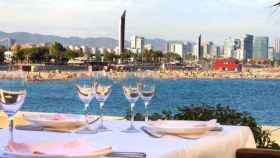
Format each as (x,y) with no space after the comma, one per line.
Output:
(94,155)
(71,149)
(183,127)
(56,120)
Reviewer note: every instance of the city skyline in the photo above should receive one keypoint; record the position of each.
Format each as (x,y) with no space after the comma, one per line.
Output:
(216,19)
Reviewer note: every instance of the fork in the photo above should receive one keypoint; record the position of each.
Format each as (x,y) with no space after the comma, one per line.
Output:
(160,135)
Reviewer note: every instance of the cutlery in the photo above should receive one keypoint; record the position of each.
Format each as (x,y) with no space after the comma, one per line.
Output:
(127,154)
(81,128)
(160,135)
(113,154)
(217,129)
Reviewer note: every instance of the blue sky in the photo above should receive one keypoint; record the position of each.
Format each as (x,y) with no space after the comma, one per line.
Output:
(168,19)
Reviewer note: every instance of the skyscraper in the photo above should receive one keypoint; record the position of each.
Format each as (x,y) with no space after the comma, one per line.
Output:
(200,52)
(277,49)
(122,32)
(271,54)
(239,49)
(219,51)
(228,48)
(260,48)
(248,47)
(277,46)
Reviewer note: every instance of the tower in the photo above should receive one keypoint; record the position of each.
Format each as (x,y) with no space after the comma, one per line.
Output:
(200,53)
(122,32)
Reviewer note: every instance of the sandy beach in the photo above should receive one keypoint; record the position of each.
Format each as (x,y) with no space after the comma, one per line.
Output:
(245,74)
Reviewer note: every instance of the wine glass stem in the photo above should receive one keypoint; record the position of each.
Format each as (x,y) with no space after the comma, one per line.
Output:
(132,114)
(101,113)
(146,112)
(86,114)
(11,130)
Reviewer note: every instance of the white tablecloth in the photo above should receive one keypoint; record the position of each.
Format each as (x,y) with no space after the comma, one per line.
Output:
(214,145)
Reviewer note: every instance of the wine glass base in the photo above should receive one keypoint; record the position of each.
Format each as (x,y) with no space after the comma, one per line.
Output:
(131,129)
(87,130)
(102,128)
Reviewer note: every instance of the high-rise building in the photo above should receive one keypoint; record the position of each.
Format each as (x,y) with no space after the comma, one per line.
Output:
(200,52)
(137,44)
(122,32)
(277,46)
(228,48)
(205,49)
(212,50)
(238,49)
(248,47)
(271,53)
(195,51)
(189,47)
(218,51)
(177,47)
(260,48)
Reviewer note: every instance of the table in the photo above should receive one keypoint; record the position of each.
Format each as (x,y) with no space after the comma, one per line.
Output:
(213,145)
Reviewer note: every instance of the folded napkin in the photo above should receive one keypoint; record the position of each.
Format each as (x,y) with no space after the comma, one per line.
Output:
(68,148)
(181,124)
(58,117)
(189,129)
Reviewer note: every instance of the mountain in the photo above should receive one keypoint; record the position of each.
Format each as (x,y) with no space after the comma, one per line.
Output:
(25,37)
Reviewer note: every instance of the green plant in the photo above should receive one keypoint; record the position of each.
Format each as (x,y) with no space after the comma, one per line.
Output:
(224,115)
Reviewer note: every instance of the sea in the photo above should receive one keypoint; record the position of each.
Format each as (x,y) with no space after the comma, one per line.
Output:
(261,98)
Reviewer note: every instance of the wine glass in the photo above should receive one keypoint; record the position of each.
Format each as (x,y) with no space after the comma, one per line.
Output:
(147,90)
(86,92)
(12,96)
(103,90)
(131,92)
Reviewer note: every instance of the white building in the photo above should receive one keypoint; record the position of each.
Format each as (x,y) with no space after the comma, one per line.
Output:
(277,46)
(85,50)
(195,51)
(271,53)
(8,56)
(137,44)
(71,47)
(228,48)
(93,50)
(77,48)
(177,48)
(148,47)
(102,50)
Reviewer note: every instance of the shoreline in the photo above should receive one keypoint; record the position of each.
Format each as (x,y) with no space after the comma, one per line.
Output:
(246,74)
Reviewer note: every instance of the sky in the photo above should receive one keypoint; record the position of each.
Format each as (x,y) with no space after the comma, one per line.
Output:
(167,19)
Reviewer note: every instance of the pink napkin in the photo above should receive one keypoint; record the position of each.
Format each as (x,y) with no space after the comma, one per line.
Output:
(70,148)
(58,117)
(211,123)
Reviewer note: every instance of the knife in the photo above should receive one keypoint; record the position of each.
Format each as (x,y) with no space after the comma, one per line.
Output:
(127,154)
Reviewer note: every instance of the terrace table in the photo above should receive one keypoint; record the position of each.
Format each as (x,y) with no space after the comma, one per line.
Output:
(221,144)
